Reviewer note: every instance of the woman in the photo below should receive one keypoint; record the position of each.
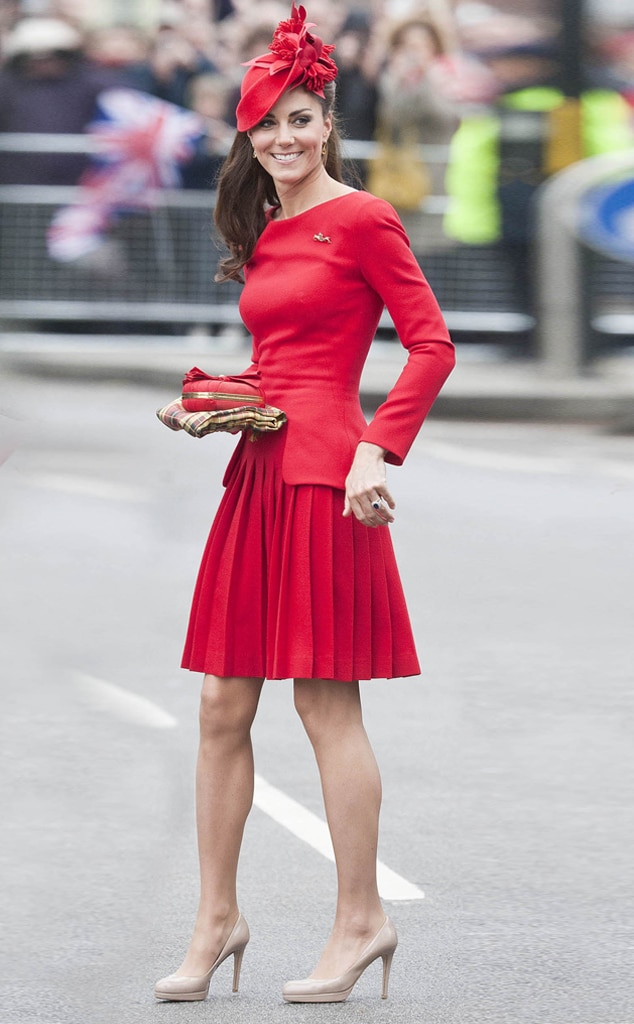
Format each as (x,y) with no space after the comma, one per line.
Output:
(298,579)
(415,109)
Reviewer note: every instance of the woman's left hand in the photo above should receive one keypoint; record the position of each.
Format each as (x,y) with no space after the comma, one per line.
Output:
(366,487)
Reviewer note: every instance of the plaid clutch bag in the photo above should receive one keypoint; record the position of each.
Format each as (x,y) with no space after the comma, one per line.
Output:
(230,421)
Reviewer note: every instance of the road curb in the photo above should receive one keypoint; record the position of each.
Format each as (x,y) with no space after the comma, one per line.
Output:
(479,388)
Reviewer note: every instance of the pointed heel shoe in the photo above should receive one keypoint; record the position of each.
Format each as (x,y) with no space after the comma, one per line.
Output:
(176,988)
(335,990)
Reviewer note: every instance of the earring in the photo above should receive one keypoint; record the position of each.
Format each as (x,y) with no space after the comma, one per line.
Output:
(324,148)
(255,156)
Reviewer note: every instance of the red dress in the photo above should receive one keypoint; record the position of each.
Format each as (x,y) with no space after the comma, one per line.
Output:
(288,587)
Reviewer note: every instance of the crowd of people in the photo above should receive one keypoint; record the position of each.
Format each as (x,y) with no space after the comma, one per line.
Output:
(412,73)
(406,77)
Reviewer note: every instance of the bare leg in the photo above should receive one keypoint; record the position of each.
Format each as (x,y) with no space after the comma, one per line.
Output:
(351,784)
(224,794)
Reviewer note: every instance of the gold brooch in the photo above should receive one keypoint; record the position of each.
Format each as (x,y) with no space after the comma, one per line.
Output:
(322,238)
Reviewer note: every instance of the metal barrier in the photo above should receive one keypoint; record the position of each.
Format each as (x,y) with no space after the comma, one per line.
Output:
(157,266)
(610,288)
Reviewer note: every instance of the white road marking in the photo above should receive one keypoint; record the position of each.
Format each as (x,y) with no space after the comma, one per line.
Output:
(312,830)
(130,707)
(86,486)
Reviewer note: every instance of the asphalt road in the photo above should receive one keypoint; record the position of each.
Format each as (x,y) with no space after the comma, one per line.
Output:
(507,768)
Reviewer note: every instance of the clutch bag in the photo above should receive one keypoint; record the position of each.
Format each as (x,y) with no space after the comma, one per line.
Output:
(203,393)
(253,419)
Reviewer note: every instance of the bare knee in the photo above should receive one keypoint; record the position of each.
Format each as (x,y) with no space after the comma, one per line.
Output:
(327,706)
(227,707)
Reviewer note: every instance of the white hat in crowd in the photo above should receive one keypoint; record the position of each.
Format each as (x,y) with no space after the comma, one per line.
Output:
(41,35)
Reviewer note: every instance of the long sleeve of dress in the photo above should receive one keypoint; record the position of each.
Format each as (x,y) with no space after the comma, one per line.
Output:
(389,266)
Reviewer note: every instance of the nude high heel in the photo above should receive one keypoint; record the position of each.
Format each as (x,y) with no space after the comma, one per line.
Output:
(335,990)
(182,989)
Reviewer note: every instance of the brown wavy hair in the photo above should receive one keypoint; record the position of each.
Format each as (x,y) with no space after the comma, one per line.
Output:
(245,190)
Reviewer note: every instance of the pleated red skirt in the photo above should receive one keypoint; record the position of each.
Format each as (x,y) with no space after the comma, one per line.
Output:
(288,588)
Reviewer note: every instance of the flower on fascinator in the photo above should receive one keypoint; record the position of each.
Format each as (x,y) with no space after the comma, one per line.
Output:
(287,38)
(294,49)
(296,57)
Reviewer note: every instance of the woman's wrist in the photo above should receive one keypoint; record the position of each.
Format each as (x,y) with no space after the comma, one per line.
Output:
(372,450)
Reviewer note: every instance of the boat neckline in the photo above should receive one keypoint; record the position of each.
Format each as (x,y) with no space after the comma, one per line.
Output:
(317,206)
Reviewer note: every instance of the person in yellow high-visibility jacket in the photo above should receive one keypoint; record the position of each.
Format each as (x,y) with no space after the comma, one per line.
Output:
(477,167)
(499,159)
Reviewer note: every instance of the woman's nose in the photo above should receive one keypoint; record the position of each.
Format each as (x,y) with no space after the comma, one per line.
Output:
(284,135)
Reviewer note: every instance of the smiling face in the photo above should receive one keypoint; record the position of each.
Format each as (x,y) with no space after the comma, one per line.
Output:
(288,141)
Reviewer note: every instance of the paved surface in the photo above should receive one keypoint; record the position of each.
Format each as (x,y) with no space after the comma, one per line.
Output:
(486,383)
(507,768)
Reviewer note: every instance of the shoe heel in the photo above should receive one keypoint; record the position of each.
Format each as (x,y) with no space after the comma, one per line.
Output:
(387,963)
(237,964)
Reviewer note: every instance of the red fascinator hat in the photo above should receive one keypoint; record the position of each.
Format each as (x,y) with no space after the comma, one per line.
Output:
(296,58)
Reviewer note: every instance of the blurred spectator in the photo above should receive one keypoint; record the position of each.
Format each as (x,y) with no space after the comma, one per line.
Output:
(497,158)
(47,86)
(414,110)
(120,47)
(484,28)
(172,62)
(197,30)
(357,92)
(612,63)
(208,97)
(75,12)
(221,9)
(524,65)
(9,14)
(500,157)
(328,15)
(411,100)
(197,10)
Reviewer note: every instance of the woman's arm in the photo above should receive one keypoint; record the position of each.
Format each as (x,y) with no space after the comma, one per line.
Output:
(390,268)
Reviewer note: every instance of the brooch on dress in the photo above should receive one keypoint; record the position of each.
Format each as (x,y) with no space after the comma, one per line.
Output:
(322,238)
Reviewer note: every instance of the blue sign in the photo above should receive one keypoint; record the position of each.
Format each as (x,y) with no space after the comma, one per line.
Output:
(606,219)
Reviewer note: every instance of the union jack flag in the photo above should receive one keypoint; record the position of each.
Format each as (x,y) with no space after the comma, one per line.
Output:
(141,144)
